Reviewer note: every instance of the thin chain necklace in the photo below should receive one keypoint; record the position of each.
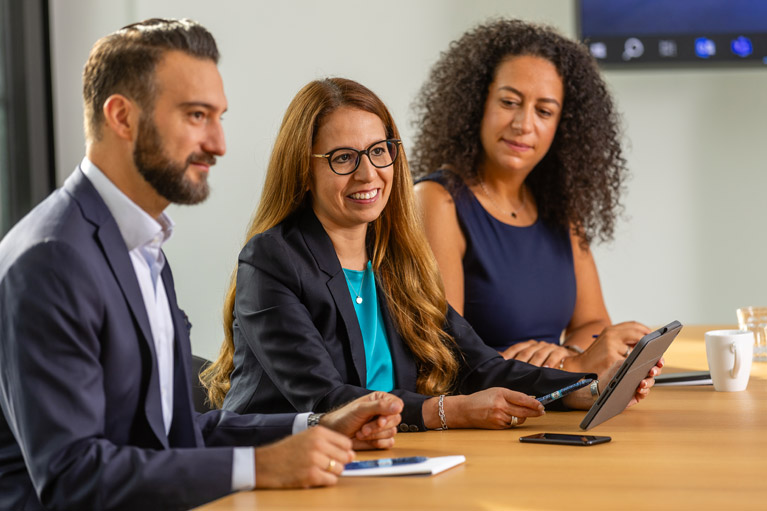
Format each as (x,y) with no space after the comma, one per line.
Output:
(359,293)
(513,213)
(359,298)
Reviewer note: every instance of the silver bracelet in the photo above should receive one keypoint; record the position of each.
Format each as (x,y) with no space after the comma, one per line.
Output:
(441,411)
(594,388)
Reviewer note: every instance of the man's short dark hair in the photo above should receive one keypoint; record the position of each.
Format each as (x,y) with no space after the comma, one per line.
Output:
(124,62)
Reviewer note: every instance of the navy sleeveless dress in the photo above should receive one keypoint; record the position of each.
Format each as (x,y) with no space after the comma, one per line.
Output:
(519,282)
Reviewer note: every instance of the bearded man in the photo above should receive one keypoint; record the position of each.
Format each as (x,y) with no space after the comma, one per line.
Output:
(95,355)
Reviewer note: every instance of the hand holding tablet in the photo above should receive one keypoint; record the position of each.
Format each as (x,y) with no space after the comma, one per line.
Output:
(621,389)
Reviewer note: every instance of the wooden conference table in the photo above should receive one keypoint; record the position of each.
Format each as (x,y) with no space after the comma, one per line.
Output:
(681,448)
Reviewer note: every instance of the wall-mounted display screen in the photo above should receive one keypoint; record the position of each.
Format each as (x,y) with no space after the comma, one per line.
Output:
(675,32)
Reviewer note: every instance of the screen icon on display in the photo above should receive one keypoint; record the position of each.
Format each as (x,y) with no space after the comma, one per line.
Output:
(705,47)
(667,48)
(742,46)
(633,49)
(598,50)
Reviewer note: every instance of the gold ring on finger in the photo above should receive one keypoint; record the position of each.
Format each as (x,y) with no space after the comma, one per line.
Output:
(331,465)
(514,421)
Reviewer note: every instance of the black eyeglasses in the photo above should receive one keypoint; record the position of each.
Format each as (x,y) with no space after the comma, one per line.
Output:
(346,160)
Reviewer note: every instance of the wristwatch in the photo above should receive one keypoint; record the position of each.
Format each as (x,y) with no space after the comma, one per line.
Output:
(313,419)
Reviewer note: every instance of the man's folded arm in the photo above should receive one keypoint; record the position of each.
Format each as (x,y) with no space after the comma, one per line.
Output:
(223,428)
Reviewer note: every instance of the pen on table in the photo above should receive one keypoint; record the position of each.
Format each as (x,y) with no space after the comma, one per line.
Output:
(548,398)
(385,462)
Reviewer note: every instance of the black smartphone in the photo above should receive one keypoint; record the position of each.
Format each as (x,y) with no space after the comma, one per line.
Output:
(563,439)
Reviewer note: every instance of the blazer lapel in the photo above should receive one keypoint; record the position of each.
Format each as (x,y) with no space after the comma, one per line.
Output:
(340,292)
(405,371)
(116,254)
(182,431)
(319,244)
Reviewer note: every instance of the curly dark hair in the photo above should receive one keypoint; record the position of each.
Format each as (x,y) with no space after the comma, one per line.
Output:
(578,183)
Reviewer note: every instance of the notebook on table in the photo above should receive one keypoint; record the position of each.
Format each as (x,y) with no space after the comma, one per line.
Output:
(430,466)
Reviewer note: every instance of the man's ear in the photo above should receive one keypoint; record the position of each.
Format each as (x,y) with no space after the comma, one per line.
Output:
(121,116)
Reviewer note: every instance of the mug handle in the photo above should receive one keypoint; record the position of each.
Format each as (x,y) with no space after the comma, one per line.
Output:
(736,366)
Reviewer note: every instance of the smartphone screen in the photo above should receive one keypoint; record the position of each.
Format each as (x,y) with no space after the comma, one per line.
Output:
(564,439)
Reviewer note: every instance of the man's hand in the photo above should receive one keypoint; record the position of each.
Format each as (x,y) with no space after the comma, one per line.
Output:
(370,420)
(314,457)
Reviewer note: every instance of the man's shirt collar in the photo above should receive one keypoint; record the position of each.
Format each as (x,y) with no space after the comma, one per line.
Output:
(136,226)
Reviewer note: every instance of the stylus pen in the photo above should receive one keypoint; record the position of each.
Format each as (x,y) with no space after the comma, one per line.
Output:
(384,462)
(548,398)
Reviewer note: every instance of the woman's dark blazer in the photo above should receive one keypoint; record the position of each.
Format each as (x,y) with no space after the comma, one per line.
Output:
(298,345)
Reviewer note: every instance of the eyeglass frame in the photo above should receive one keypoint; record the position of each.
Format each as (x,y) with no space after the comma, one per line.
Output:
(365,151)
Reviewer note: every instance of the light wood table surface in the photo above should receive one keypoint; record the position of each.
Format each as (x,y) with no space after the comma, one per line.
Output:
(681,448)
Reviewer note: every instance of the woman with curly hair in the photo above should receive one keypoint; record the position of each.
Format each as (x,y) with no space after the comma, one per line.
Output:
(337,293)
(522,133)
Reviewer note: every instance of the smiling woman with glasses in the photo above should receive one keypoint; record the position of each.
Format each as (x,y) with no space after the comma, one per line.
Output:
(337,293)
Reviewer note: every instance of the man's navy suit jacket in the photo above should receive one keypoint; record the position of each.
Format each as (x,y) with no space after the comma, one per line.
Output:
(81,424)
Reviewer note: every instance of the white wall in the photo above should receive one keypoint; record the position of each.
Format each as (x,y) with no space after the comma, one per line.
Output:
(693,243)
(694,136)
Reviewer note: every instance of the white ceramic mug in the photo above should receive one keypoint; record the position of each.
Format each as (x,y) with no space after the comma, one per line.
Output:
(729,354)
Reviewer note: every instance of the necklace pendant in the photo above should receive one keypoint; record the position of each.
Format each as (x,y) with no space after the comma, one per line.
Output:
(513,214)
(359,299)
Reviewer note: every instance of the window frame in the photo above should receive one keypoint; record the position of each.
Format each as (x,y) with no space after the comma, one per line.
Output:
(27,162)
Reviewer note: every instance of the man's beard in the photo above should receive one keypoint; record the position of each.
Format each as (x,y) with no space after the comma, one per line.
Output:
(166,176)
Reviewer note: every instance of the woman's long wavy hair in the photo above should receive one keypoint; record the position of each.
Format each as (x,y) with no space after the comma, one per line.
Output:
(404,265)
(578,183)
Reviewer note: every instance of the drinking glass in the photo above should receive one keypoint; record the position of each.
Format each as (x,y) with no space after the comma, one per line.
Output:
(755,320)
